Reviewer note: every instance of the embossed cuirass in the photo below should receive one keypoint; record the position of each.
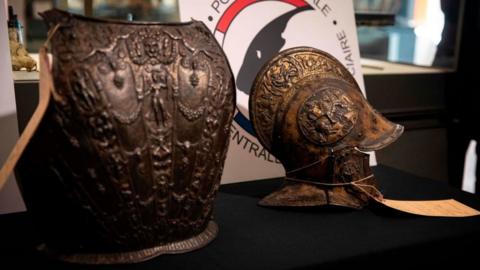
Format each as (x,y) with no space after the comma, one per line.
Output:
(128,158)
(309,112)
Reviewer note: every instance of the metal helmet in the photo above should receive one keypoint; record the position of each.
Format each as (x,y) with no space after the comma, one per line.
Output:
(309,112)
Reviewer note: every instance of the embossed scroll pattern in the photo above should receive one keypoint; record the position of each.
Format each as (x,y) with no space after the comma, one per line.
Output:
(276,83)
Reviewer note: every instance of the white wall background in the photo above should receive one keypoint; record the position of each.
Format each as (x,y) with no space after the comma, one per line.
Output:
(10,199)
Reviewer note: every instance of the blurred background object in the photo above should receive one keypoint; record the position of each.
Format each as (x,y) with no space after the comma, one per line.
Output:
(418,32)
(376,13)
(137,10)
(20,57)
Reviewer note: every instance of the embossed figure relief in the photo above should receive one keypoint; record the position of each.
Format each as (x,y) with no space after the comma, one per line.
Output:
(327,117)
(126,164)
(309,112)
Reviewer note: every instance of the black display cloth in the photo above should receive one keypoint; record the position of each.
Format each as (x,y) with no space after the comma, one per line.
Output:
(253,237)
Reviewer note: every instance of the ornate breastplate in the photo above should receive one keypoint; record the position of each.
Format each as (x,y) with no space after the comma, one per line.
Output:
(128,159)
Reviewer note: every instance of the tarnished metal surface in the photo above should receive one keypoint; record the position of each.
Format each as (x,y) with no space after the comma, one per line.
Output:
(309,112)
(128,159)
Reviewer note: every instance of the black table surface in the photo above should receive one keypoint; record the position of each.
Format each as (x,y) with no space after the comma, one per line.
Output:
(252,237)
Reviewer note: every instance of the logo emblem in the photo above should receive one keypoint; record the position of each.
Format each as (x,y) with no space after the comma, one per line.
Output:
(266,43)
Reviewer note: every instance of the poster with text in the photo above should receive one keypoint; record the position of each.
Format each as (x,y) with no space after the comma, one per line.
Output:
(251,32)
